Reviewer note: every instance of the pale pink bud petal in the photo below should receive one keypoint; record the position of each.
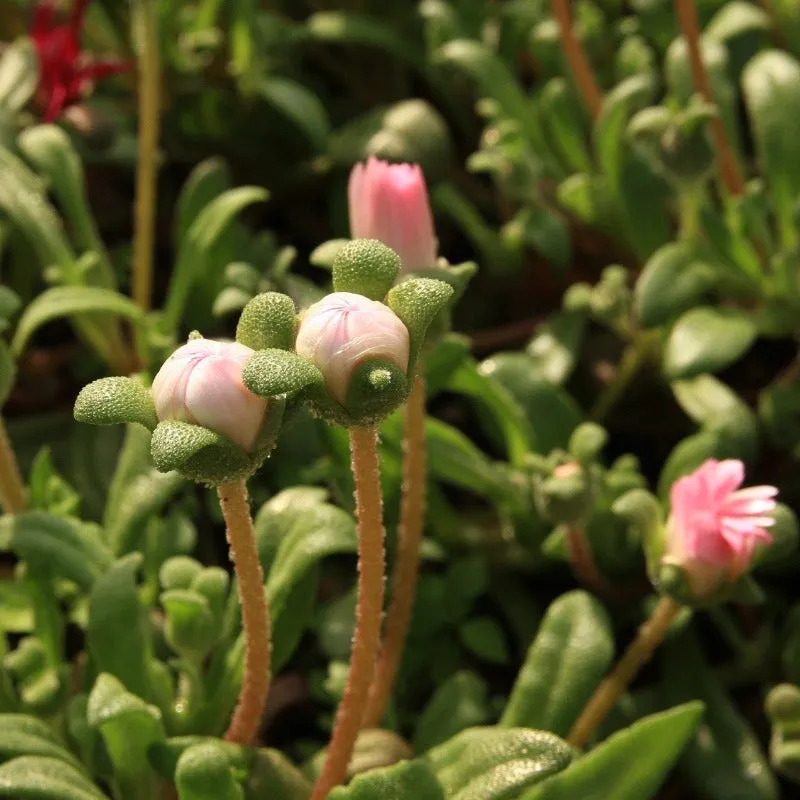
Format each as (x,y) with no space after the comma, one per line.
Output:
(389,202)
(201,383)
(343,330)
(713,528)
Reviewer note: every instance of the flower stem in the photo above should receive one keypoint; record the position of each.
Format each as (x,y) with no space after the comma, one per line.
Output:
(576,58)
(369,609)
(404,580)
(632,361)
(246,718)
(690,28)
(12,489)
(149,124)
(650,635)
(582,561)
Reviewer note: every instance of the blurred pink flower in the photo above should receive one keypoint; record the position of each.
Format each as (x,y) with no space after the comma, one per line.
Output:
(389,202)
(343,330)
(201,383)
(65,71)
(714,526)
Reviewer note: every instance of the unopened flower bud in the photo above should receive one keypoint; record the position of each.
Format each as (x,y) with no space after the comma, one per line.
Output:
(389,202)
(343,330)
(201,383)
(715,527)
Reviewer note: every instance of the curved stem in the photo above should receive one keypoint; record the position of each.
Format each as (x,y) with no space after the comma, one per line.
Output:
(582,561)
(149,124)
(369,609)
(690,28)
(247,715)
(650,635)
(633,359)
(576,58)
(404,580)
(12,489)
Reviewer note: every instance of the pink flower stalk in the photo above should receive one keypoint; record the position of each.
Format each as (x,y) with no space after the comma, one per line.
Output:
(65,72)
(389,202)
(201,383)
(343,330)
(714,526)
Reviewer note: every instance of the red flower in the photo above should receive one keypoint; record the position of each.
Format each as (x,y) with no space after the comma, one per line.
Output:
(64,71)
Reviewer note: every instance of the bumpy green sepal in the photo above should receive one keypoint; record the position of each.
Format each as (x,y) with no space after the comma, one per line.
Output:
(274,372)
(267,321)
(643,511)
(367,267)
(674,581)
(377,388)
(199,454)
(111,401)
(417,302)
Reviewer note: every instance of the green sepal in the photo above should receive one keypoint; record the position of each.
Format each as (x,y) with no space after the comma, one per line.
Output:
(268,321)
(377,388)
(272,372)
(200,454)
(674,581)
(457,275)
(111,401)
(367,267)
(642,510)
(418,301)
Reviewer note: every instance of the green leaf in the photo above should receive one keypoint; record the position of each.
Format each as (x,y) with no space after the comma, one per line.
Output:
(112,401)
(301,106)
(631,765)
(55,157)
(19,74)
(16,607)
(195,247)
(352,28)
(70,301)
(319,532)
(43,778)
(118,635)
(724,759)
(207,181)
(23,735)
(570,655)
(497,763)
(672,281)
(272,372)
(60,547)
(399,782)
(459,702)
(771,86)
(209,771)
(707,340)
(128,725)
(566,122)
(484,637)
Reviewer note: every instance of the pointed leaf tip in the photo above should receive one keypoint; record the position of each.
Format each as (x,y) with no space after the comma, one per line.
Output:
(111,401)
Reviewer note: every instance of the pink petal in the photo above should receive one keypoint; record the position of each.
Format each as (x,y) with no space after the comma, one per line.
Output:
(726,478)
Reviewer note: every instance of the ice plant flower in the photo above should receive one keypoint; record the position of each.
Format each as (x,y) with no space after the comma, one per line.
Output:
(201,383)
(715,526)
(65,72)
(343,330)
(389,202)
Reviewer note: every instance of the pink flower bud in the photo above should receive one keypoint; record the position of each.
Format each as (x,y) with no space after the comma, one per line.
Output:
(201,383)
(343,330)
(389,202)
(714,526)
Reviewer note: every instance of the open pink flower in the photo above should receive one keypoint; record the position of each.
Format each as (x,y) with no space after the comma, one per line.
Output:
(201,383)
(343,330)
(65,72)
(389,202)
(714,526)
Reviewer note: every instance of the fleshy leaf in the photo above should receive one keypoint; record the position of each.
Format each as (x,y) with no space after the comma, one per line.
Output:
(367,267)
(273,372)
(267,321)
(404,780)
(111,401)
